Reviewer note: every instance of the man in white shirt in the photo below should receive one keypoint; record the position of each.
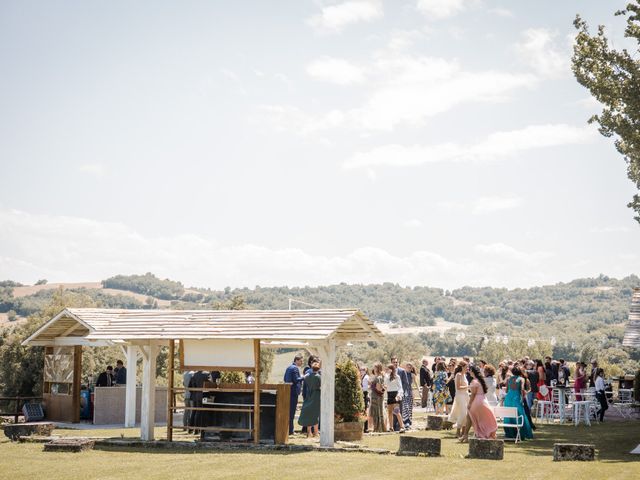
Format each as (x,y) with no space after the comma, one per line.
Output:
(600,394)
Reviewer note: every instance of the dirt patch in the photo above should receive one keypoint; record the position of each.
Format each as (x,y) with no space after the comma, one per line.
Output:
(31,289)
(439,327)
(4,320)
(459,303)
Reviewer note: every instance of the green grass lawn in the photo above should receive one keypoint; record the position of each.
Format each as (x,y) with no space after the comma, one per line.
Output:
(529,460)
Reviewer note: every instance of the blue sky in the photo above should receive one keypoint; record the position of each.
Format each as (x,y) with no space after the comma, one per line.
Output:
(423,142)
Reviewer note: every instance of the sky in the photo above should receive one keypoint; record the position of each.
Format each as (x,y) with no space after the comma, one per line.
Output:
(220,143)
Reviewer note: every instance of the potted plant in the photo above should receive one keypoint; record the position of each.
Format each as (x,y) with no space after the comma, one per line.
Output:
(349,403)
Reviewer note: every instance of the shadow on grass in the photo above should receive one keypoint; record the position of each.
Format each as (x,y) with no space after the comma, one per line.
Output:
(613,440)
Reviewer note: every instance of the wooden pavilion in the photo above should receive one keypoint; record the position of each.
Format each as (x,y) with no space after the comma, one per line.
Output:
(221,333)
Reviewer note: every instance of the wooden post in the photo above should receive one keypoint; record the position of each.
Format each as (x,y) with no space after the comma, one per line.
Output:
(327,393)
(131,387)
(148,404)
(256,392)
(283,396)
(75,389)
(170,405)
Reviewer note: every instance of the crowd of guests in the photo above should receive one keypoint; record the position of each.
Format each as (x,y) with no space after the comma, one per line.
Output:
(461,389)
(466,391)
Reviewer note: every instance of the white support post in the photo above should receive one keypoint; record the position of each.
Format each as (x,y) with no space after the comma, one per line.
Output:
(132,380)
(148,404)
(327,392)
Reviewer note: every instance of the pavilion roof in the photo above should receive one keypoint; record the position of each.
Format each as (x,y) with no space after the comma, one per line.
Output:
(103,324)
(632,333)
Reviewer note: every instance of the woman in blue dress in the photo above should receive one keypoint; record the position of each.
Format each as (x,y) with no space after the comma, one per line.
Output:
(515,394)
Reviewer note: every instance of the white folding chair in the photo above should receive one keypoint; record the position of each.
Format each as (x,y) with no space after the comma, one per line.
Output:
(504,413)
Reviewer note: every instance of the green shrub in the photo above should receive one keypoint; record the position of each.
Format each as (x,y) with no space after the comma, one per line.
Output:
(349,403)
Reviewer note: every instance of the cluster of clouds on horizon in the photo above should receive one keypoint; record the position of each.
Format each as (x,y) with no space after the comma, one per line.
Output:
(71,249)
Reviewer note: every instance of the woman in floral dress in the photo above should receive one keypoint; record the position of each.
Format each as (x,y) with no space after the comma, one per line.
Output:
(440,390)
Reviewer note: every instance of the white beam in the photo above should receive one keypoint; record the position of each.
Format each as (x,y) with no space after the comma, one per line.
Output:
(144,352)
(148,404)
(327,392)
(132,378)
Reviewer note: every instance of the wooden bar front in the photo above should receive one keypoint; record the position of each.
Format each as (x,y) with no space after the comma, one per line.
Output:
(281,416)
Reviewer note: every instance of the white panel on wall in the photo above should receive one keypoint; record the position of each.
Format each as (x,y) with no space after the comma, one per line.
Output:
(218,353)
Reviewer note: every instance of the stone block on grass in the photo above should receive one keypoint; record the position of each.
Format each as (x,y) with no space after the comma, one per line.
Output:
(486,449)
(69,445)
(435,422)
(16,430)
(419,446)
(573,452)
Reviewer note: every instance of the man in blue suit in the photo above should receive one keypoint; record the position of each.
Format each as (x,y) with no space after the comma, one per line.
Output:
(406,386)
(292,376)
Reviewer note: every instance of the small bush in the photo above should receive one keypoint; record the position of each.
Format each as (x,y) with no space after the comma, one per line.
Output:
(349,403)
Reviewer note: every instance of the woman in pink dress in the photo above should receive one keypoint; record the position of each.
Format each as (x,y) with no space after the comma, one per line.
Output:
(481,414)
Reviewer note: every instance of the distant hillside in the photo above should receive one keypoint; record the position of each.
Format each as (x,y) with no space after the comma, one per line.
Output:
(585,312)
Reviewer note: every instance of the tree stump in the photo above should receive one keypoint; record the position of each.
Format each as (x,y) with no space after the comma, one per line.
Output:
(573,452)
(486,449)
(17,430)
(69,445)
(435,422)
(419,445)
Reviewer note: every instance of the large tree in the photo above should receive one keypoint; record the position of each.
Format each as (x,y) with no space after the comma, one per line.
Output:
(613,78)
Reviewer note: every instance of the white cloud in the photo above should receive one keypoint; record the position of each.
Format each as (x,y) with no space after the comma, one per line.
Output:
(439,9)
(403,39)
(589,102)
(485,205)
(406,90)
(610,229)
(496,146)
(538,51)
(230,74)
(62,248)
(334,18)
(413,223)
(502,12)
(96,169)
(500,250)
(335,70)
(291,119)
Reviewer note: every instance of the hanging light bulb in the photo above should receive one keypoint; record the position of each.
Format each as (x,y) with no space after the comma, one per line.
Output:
(531,342)
(505,339)
(553,341)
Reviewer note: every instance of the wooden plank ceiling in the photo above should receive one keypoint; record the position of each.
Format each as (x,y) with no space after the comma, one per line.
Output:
(116,324)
